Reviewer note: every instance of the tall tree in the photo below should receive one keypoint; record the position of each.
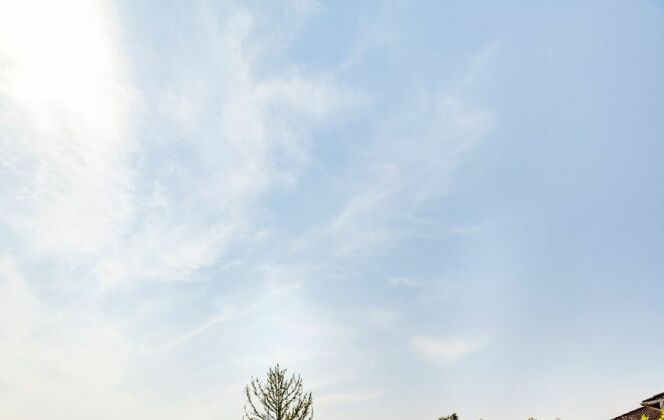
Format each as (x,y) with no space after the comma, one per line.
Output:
(452,416)
(278,398)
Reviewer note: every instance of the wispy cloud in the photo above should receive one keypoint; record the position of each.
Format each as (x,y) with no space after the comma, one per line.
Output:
(138,210)
(443,350)
(66,121)
(400,281)
(336,399)
(85,185)
(408,165)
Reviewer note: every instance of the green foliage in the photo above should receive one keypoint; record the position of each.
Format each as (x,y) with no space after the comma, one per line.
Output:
(278,398)
(661,417)
(452,416)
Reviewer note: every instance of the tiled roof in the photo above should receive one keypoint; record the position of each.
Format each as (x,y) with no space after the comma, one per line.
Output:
(652,413)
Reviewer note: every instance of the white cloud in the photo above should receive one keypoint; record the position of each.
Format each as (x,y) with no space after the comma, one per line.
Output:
(62,362)
(337,399)
(114,181)
(399,281)
(443,350)
(66,127)
(410,163)
(85,191)
(383,318)
(77,174)
(256,136)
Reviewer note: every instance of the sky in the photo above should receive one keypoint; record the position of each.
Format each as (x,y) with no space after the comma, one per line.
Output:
(420,207)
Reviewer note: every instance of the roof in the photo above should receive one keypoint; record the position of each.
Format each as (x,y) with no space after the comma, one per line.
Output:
(655,397)
(652,413)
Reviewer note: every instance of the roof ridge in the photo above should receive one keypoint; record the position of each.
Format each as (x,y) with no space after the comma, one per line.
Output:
(655,397)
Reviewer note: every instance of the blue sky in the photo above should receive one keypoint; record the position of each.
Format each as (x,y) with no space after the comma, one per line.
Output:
(422,208)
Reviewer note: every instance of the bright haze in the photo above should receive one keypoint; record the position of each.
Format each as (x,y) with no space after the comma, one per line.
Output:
(421,207)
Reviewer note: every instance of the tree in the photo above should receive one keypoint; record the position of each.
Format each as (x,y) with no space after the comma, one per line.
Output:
(278,398)
(452,416)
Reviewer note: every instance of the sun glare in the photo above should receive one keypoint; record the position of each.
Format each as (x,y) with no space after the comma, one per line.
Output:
(56,52)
